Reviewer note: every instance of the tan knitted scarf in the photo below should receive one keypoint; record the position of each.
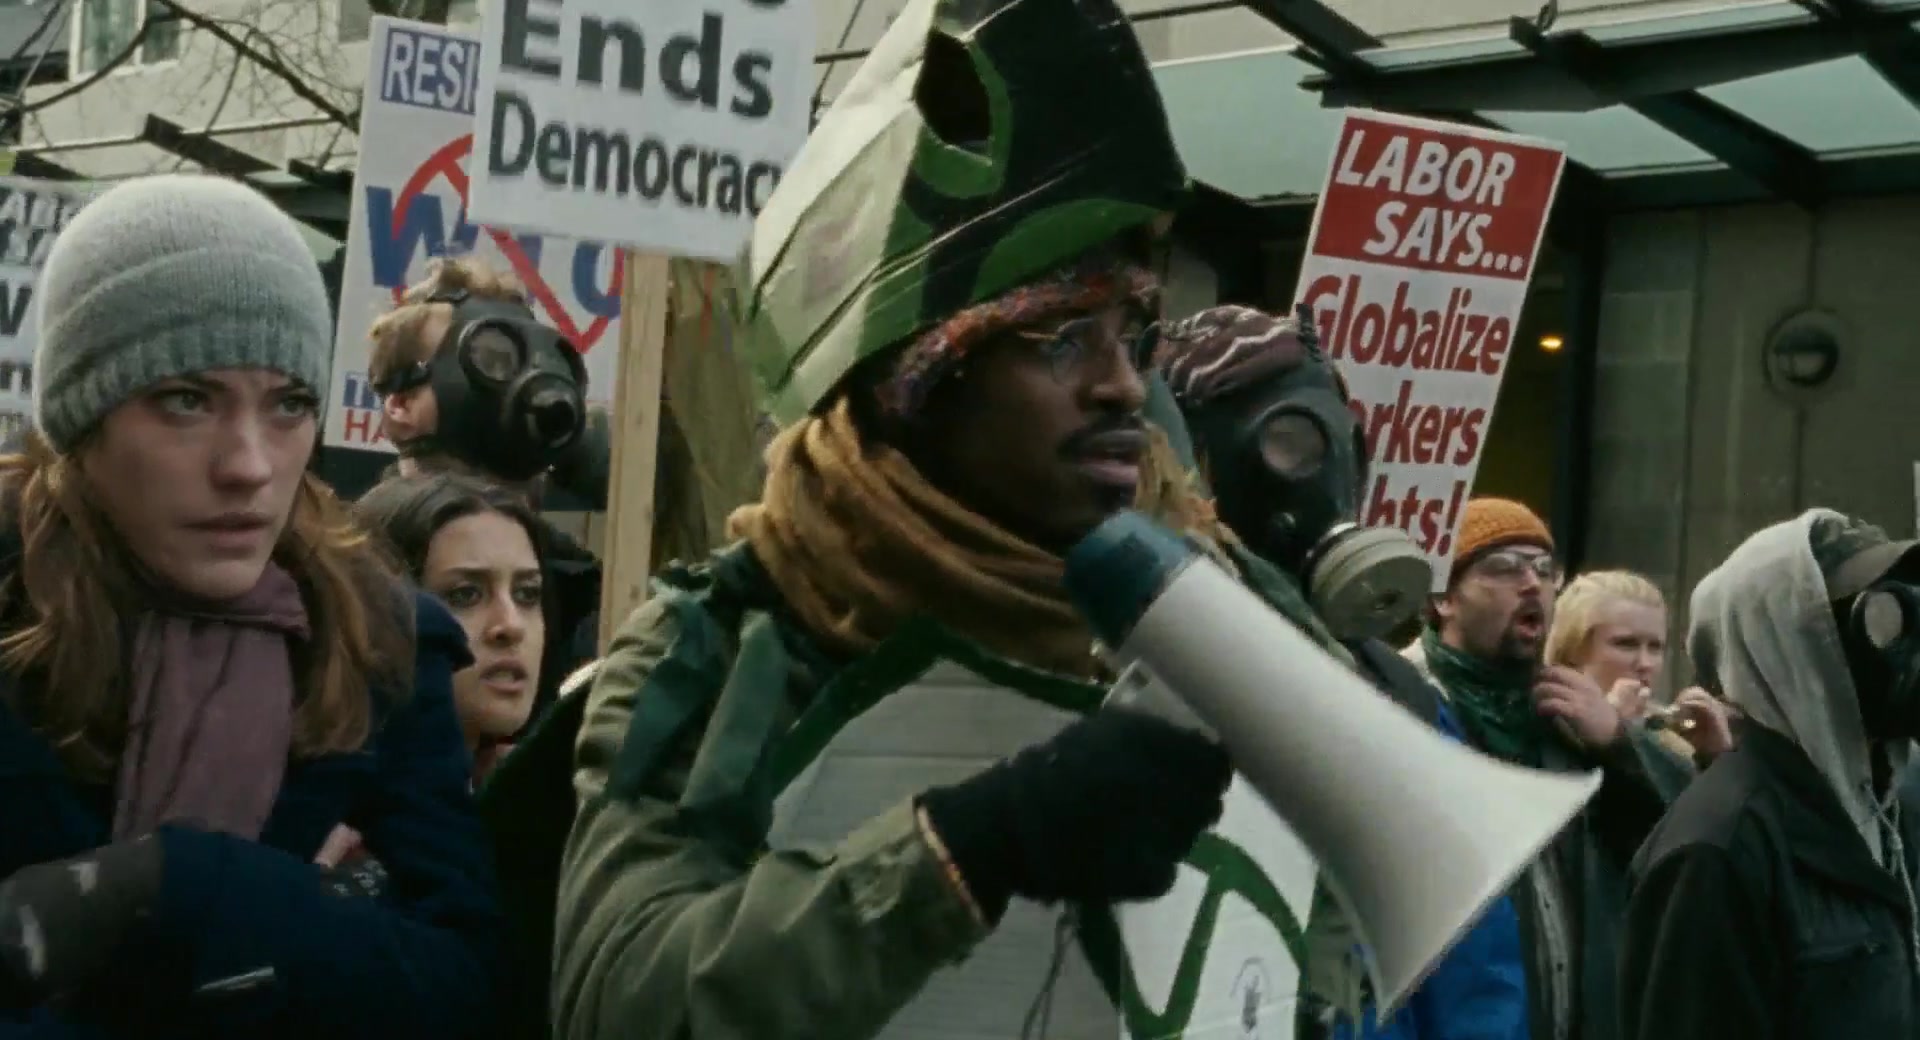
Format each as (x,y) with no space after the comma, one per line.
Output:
(858,542)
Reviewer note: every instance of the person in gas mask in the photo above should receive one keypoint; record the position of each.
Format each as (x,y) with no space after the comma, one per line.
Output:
(1285,458)
(471,382)
(466,372)
(1776,901)
(844,777)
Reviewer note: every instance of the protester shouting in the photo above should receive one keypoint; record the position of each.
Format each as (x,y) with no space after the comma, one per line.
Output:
(207,669)
(1286,461)
(1611,626)
(1776,901)
(1482,647)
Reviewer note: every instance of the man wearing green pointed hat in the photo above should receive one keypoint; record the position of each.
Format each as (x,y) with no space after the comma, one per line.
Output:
(841,779)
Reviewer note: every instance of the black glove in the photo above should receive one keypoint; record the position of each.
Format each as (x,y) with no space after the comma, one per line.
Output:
(63,923)
(1103,812)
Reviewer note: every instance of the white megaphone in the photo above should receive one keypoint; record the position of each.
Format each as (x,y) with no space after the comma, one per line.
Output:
(1415,833)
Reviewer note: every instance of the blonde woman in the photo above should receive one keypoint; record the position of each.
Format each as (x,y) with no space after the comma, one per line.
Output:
(1612,626)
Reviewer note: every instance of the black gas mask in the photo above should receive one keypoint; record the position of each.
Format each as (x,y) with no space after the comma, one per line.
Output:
(1287,460)
(511,391)
(1880,630)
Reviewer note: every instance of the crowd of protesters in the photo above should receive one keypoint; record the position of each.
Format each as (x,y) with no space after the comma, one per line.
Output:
(273,765)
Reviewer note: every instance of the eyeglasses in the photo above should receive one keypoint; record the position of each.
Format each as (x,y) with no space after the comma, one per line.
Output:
(1510,566)
(1068,347)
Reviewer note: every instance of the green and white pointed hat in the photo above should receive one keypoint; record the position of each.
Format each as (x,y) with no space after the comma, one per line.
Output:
(981,145)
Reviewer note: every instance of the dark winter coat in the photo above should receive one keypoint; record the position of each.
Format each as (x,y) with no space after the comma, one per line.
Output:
(1758,911)
(422,960)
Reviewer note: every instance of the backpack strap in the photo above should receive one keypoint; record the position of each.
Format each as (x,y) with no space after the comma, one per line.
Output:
(1398,678)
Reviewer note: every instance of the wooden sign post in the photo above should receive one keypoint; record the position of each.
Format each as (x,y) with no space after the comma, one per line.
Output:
(627,549)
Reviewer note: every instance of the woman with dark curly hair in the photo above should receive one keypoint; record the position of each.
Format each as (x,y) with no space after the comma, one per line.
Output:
(479,548)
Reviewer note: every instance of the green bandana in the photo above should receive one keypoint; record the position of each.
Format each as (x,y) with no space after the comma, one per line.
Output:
(1491,699)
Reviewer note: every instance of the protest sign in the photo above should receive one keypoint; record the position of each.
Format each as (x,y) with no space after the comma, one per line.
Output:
(1423,244)
(663,126)
(32,213)
(410,205)
(1220,956)
(1422,248)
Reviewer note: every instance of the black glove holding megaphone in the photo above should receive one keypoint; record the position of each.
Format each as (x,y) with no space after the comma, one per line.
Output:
(1103,812)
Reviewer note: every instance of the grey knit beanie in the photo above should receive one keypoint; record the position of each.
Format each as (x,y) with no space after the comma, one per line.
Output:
(165,276)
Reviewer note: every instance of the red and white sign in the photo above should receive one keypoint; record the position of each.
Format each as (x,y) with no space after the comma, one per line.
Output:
(1422,248)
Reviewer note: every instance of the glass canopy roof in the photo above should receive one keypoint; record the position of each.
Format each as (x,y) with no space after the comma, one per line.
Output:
(1765,100)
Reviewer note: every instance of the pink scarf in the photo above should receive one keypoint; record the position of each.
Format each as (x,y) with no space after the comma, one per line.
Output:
(211,718)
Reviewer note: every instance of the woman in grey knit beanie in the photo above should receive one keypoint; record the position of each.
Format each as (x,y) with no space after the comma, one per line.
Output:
(214,667)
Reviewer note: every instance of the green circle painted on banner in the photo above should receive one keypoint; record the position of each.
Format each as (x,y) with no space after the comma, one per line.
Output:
(1230,871)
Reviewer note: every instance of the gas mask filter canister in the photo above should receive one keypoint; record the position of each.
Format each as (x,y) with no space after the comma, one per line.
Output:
(1363,582)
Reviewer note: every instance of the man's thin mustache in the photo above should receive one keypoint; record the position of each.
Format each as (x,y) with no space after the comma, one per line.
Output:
(1129,424)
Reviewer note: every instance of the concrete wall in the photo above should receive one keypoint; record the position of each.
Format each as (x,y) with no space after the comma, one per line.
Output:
(1693,450)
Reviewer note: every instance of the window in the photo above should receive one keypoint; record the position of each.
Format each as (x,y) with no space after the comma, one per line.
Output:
(356,16)
(106,27)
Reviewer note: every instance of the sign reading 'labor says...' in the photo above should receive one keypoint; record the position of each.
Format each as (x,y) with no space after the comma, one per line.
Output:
(1421,253)
(662,126)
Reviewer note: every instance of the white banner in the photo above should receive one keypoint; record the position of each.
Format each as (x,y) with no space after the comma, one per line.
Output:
(32,212)
(409,205)
(663,126)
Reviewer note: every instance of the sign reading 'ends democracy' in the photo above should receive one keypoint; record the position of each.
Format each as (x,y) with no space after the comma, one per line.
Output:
(664,126)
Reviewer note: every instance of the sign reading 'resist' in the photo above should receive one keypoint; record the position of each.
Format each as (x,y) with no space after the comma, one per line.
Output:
(663,126)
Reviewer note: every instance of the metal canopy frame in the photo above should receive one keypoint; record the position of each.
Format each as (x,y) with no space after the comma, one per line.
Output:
(1337,46)
(316,197)
(1330,40)
(201,149)
(27,164)
(1782,165)
(1664,64)
(1894,51)
(1660,78)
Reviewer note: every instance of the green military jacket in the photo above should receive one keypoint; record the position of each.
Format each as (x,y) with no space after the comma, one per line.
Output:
(677,917)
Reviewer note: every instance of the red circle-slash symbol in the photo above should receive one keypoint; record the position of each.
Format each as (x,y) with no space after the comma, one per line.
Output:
(447,162)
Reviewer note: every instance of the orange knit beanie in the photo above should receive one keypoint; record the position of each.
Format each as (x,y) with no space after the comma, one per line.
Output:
(1490,523)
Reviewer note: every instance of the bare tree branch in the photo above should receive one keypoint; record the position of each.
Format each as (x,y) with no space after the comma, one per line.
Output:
(271,63)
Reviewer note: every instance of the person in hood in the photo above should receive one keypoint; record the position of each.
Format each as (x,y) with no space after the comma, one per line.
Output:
(1284,455)
(442,411)
(1482,646)
(208,669)
(1776,900)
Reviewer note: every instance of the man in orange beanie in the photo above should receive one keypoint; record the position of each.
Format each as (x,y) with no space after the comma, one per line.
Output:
(1499,598)
(1482,647)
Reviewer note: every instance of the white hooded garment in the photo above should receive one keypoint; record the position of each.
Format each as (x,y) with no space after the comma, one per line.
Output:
(1762,625)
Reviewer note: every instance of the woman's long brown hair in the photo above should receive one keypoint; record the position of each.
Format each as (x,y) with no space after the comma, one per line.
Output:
(69,597)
